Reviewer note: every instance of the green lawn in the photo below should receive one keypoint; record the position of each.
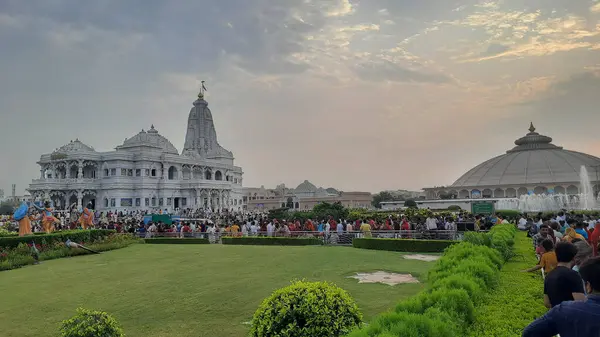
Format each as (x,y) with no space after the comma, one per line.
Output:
(187,290)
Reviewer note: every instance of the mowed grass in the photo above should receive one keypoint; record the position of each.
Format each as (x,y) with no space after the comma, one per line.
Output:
(188,290)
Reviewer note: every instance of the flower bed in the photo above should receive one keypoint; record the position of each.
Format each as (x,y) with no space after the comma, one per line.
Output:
(271,241)
(403,245)
(12,258)
(177,241)
(517,301)
(62,236)
(458,281)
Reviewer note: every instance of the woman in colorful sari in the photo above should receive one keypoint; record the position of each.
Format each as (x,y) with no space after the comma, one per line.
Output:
(48,220)
(570,235)
(86,219)
(24,218)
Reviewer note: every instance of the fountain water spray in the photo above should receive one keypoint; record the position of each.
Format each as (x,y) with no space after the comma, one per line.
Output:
(587,201)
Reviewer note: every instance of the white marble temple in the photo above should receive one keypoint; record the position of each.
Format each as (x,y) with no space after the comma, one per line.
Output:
(145,172)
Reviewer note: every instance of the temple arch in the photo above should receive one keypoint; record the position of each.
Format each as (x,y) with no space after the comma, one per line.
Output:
(218,175)
(172,173)
(572,190)
(499,193)
(511,193)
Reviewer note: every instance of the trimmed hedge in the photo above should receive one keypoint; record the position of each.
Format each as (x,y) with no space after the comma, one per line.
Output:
(517,301)
(62,236)
(177,241)
(271,241)
(459,279)
(403,245)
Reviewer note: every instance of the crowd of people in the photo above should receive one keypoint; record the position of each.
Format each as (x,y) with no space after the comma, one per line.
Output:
(247,223)
(567,249)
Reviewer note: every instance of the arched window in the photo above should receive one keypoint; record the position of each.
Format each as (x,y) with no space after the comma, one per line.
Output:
(297,205)
(172,173)
(208,175)
(283,205)
(218,175)
(153,172)
(105,203)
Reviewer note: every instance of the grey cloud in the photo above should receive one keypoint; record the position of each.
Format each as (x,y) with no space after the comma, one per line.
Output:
(495,49)
(573,104)
(388,71)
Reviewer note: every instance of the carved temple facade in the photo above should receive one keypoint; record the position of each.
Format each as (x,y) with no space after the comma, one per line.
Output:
(146,172)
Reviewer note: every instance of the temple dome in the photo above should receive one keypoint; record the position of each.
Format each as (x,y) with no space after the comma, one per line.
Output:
(534,160)
(150,139)
(305,187)
(75,146)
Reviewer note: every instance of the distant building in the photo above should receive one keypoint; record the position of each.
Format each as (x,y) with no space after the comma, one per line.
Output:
(302,198)
(405,194)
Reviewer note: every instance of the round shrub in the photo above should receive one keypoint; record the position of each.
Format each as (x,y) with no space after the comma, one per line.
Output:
(306,309)
(89,323)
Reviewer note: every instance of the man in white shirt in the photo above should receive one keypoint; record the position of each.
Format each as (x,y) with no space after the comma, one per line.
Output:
(522,225)
(340,228)
(253,229)
(431,223)
(270,229)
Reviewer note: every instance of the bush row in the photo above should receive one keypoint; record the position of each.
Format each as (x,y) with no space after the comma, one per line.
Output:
(517,300)
(271,241)
(176,241)
(446,307)
(62,236)
(21,255)
(403,245)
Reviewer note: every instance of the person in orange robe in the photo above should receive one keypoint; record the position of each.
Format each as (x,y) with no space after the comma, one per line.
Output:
(25,225)
(48,220)
(86,219)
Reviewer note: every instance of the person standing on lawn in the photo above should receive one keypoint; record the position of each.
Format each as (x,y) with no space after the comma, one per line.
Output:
(563,284)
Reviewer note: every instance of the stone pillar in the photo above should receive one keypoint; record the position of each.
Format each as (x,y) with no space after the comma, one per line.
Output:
(164,171)
(46,196)
(80,169)
(42,173)
(79,199)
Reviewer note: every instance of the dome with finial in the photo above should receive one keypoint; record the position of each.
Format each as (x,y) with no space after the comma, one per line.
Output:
(149,139)
(533,160)
(74,146)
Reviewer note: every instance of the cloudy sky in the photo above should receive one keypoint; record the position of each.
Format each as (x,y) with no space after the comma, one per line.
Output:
(355,94)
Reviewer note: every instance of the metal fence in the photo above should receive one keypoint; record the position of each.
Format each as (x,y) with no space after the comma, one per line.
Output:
(331,238)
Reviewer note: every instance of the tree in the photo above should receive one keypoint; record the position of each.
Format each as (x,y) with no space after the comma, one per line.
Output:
(7,208)
(410,204)
(323,210)
(384,196)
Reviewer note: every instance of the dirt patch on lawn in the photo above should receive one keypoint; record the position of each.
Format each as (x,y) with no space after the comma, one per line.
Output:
(384,277)
(421,257)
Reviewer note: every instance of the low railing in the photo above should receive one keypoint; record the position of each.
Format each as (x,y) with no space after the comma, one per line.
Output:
(332,238)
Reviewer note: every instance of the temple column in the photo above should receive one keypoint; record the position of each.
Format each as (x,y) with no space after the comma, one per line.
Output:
(46,195)
(42,173)
(80,169)
(80,199)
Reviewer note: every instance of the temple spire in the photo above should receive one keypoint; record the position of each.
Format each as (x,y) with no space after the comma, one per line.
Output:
(531,127)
